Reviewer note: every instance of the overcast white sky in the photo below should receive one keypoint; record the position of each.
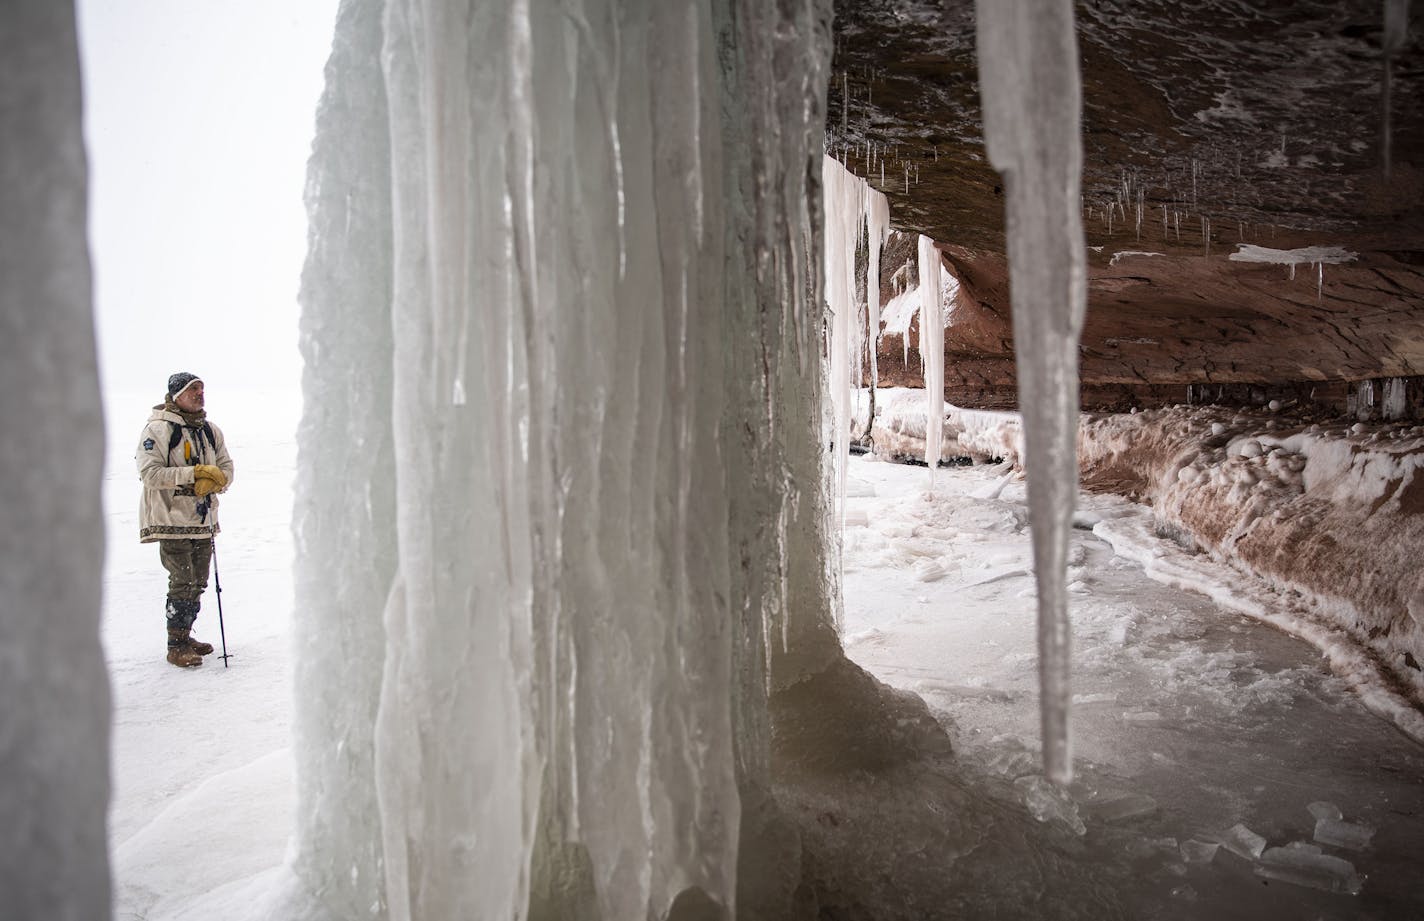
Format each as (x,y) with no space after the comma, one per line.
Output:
(198,118)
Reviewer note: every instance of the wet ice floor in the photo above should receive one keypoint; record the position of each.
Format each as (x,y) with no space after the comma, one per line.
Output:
(1188,719)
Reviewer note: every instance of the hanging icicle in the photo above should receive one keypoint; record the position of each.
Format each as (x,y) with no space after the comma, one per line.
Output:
(1029,84)
(932,352)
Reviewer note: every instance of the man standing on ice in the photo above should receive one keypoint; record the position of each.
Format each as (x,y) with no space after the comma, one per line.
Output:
(183,462)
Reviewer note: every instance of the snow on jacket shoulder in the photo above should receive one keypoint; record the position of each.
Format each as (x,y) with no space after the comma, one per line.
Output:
(169,508)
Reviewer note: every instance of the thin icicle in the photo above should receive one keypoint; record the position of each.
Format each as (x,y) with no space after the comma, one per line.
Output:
(877,224)
(932,352)
(1029,84)
(1396,31)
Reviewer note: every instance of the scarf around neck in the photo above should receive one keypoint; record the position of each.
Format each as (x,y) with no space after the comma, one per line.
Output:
(194,419)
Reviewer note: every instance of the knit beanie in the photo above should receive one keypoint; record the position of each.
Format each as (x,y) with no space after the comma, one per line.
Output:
(179,382)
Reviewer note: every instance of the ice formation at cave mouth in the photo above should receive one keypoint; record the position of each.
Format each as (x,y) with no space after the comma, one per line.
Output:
(597,508)
(563,289)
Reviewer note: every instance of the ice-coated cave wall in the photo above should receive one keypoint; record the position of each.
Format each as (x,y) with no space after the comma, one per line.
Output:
(54,729)
(561,499)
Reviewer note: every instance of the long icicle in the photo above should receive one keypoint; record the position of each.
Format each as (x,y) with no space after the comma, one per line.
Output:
(1030,87)
(932,352)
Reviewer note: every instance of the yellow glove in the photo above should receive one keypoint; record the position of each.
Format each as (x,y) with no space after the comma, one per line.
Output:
(207,478)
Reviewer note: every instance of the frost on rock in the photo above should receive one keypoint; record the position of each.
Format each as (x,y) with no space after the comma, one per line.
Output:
(1030,87)
(54,734)
(568,251)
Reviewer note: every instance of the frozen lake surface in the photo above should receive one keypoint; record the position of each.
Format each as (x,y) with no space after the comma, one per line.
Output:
(1188,719)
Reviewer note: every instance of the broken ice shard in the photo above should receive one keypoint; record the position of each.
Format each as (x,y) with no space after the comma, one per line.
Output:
(1048,803)
(1337,833)
(1242,841)
(1324,810)
(1120,806)
(1194,851)
(1302,868)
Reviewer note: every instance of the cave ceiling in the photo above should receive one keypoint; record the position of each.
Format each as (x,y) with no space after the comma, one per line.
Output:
(1206,124)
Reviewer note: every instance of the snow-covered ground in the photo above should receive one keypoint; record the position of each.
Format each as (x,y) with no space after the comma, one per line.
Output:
(1189,718)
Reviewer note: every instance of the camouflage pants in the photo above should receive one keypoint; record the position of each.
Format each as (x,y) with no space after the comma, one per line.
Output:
(187,562)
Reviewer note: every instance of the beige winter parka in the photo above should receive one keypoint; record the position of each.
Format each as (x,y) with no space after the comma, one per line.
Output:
(169,508)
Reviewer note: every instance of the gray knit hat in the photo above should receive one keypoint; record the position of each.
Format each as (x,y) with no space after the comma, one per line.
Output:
(179,382)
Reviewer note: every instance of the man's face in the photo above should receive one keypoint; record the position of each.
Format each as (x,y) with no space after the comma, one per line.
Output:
(191,399)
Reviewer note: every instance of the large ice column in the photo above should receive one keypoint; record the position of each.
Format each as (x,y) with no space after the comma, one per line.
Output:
(774,110)
(1029,84)
(54,729)
(345,491)
(932,350)
(599,227)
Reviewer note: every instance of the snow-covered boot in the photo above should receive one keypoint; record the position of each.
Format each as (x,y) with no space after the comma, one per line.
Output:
(180,650)
(181,615)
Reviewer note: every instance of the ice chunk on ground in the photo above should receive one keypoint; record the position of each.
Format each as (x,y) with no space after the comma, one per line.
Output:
(1119,806)
(1325,810)
(1149,847)
(1195,851)
(929,570)
(856,488)
(1242,841)
(1010,758)
(1316,871)
(1049,803)
(1348,835)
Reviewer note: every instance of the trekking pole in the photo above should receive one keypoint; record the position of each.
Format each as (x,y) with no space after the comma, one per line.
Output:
(217,583)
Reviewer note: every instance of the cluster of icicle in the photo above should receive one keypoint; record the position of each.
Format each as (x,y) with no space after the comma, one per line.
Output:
(560,465)
(852,212)
(1030,87)
(1317,256)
